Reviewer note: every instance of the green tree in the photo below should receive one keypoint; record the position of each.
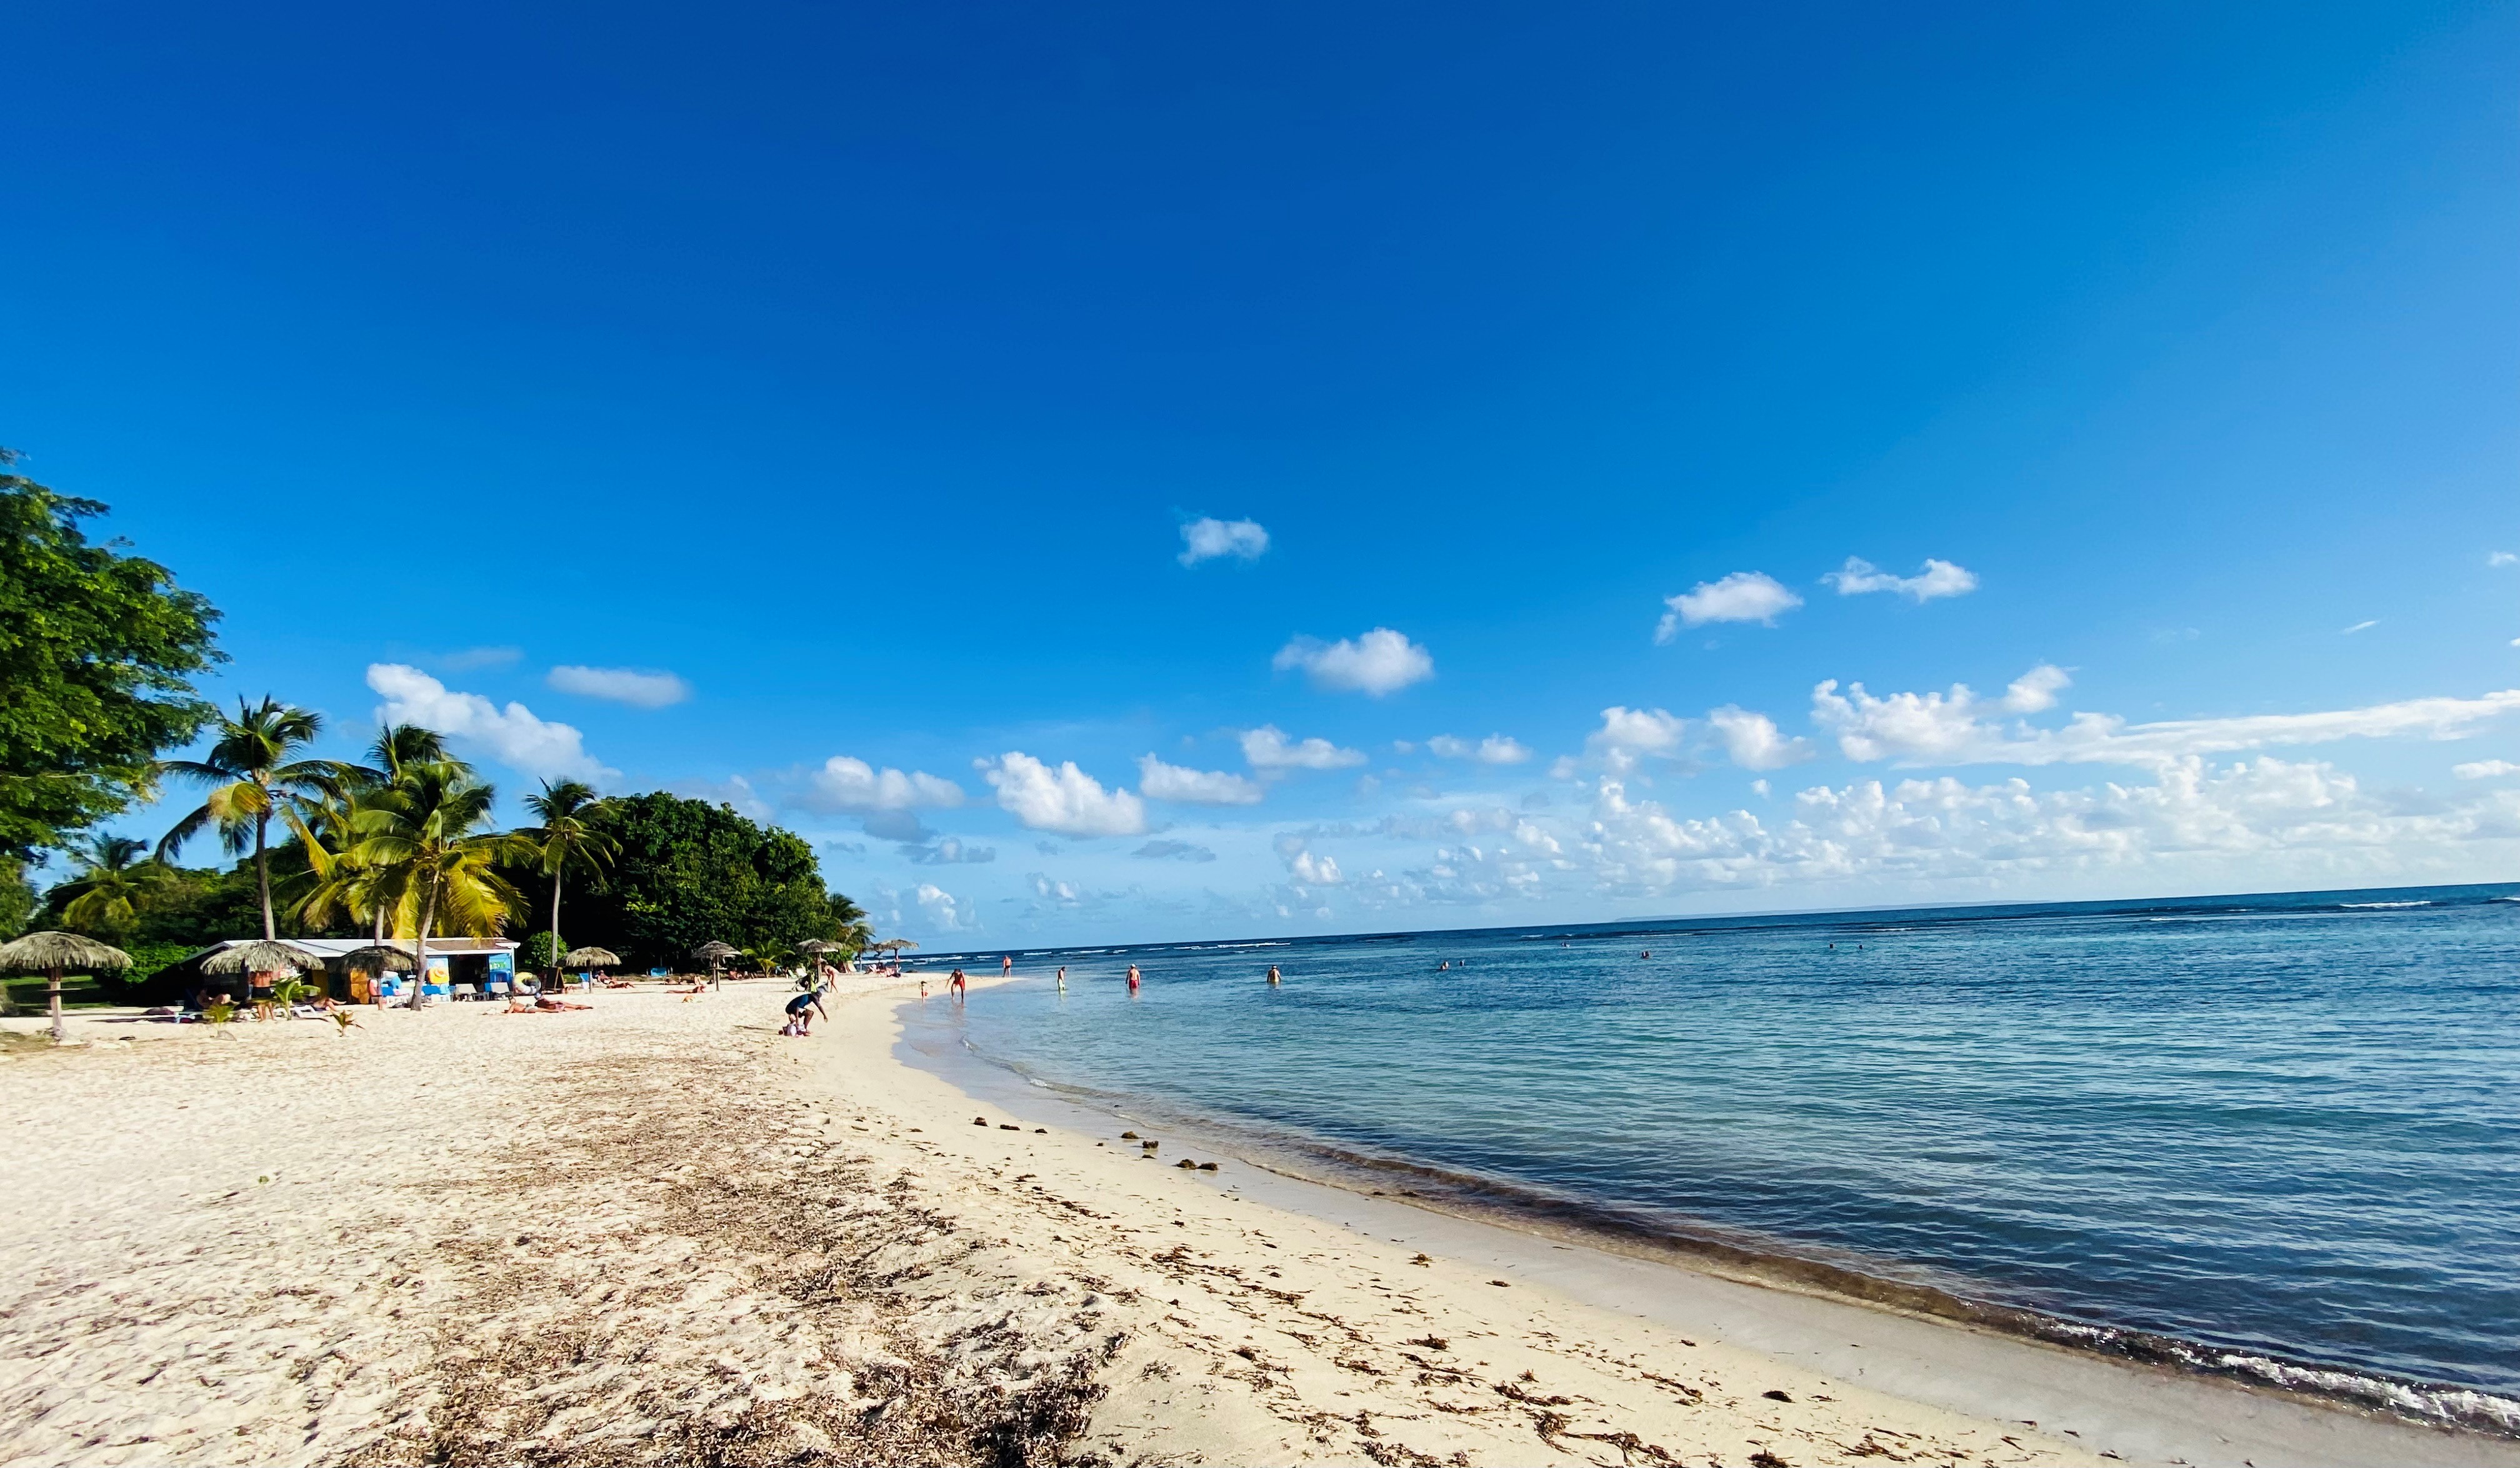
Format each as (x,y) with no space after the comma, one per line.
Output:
(17,901)
(566,838)
(252,778)
(96,653)
(687,872)
(113,878)
(429,830)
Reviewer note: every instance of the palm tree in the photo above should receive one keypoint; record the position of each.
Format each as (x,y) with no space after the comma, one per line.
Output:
(424,833)
(251,779)
(113,874)
(565,839)
(328,827)
(849,926)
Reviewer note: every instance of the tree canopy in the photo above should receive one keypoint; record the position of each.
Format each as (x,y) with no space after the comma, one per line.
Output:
(95,652)
(689,871)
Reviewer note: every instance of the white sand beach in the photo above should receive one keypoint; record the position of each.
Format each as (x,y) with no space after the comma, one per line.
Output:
(659,1231)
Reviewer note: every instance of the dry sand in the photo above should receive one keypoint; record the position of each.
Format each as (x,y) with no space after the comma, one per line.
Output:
(657,1231)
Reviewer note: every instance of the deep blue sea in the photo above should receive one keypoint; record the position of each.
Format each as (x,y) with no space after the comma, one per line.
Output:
(2282,1129)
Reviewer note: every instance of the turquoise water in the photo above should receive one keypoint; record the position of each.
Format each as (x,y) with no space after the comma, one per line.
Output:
(2277,1133)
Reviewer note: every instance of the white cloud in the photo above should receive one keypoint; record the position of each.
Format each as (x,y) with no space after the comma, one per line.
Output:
(2363,626)
(1267,749)
(519,739)
(1495,749)
(1158,781)
(1208,538)
(2485,768)
(1958,727)
(1315,871)
(1065,800)
(638,688)
(1382,661)
(853,785)
(942,908)
(1753,742)
(1939,578)
(2502,558)
(1174,851)
(1626,733)
(1742,596)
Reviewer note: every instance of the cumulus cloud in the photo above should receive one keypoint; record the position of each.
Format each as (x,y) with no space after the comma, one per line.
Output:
(942,908)
(1065,800)
(1628,733)
(2296,820)
(1742,596)
(1753,742)
(853,785)
(637,687)
(1209,539)
(1158,781)
(1174,851)
(1495,749)
(512,734)
(1315,871)
(1959,728)
(1382,661)
(1939,578)
(2485,768)
(1267,749)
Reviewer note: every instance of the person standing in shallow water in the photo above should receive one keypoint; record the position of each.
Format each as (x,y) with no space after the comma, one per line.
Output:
(1062,978)
(959,984)
(1006,966)
(1273,975)
(1133,978)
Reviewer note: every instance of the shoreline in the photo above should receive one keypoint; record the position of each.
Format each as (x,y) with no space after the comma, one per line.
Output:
(1711,1250)
(1962,1355)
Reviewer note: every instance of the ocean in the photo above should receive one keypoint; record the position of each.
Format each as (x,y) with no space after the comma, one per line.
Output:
(2275,1137)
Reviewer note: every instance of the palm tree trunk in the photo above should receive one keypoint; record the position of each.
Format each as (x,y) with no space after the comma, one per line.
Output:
(52,987)
(558,951)
(420,949)
(262,874)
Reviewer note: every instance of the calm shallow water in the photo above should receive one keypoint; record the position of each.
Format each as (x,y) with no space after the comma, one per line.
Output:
(2286,1125)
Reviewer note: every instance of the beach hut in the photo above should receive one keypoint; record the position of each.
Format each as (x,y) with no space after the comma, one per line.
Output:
(52,955)
(365,965)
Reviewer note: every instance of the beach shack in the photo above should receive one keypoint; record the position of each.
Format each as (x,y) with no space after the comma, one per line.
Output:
(458,967)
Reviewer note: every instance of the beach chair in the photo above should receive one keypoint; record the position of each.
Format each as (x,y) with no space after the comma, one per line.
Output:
(498,989)
(463,991)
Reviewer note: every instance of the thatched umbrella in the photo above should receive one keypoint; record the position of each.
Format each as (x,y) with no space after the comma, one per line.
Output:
(261,955)
(716,952)
(896,945)
(813,949)
(379,957)
(51,954)
(591,958)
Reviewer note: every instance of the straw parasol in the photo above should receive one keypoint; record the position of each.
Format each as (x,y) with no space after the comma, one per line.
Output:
(379,957)
(50,954)
(591,958)
(261,955)
(716,952)
(894,944)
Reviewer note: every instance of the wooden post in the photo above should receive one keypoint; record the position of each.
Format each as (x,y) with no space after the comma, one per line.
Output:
(53,984)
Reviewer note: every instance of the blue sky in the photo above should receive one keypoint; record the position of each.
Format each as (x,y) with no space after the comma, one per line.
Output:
(862,375)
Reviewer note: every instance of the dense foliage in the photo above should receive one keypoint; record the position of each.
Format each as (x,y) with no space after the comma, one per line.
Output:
(689,872)
(96,649)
